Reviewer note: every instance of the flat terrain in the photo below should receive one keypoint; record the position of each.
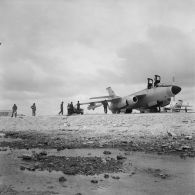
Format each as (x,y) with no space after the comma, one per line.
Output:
(98,154)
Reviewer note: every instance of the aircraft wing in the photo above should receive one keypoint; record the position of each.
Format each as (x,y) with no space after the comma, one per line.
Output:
(100,97)
(92,102)
(105,97)
(100,101)
(92,105)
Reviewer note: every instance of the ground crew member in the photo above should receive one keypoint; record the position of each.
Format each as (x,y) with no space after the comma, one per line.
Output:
(71,108)
(105,105)
(68,109)
(78,106)
(61,108)
(14,110)
(33,107)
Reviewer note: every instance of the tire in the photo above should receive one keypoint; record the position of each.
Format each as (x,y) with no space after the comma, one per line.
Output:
(128,111)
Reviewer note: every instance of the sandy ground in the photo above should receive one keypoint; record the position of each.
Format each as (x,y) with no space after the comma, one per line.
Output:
(98,154)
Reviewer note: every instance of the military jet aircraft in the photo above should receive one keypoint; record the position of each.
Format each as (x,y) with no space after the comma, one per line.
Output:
(177,107)
(156,95)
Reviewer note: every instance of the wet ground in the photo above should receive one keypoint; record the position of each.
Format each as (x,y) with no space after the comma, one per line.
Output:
(137,173)
(72,160)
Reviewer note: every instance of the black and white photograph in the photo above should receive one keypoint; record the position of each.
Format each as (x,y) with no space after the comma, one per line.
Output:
(97,97)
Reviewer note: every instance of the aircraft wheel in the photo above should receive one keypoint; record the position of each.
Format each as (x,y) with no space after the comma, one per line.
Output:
(128,111)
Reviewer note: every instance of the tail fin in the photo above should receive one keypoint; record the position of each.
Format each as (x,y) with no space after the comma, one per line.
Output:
(110,92)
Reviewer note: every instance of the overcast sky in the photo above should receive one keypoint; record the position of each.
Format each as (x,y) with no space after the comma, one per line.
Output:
(71,50)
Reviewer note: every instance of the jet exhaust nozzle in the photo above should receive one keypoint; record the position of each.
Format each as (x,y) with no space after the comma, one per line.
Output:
(175,89)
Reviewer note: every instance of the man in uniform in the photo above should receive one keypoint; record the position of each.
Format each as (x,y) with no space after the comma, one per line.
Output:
(61,108)
(33,107)
(14,110)
(71,108)
(105,105)
(78,106)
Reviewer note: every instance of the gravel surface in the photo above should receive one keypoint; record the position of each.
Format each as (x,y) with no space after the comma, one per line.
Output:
(92,145)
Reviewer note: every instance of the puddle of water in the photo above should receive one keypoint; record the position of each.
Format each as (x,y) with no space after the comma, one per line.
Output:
(182,172)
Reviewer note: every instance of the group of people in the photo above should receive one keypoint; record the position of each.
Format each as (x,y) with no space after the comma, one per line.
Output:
(70,108)
(14,110)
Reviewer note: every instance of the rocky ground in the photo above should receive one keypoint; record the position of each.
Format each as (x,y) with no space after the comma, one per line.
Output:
(98,149)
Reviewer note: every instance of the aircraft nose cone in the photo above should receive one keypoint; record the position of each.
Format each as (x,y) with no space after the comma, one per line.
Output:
(175,89)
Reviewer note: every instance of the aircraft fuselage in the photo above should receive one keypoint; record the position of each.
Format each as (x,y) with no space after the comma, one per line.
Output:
(154,97)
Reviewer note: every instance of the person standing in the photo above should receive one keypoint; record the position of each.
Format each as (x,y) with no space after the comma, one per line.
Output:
(71,108)
(78,106)
(68,109)
(105,105)
(33,107)
(14,110)
(61,108)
